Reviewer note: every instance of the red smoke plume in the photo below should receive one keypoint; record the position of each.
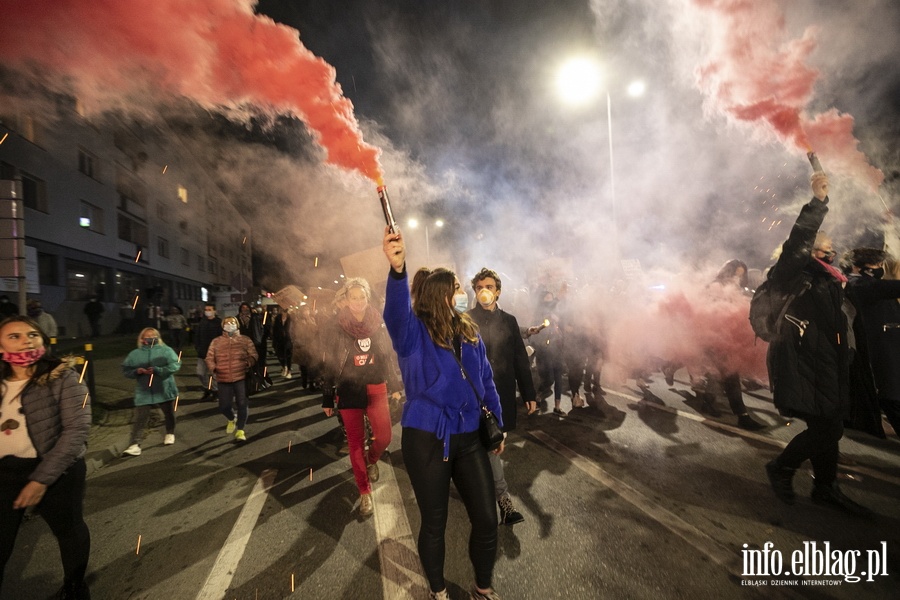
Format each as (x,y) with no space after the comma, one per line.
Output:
(755,76)
(215,52)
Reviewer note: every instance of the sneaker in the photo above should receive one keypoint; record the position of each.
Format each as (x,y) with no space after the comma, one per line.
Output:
(169,439)
(442,595)
(831,495)
(577,400)
(372,471)
(745,421)
(476,595)
(287,374)
(230,427)
(781,479)
(366,507)
(69,591)
(669,375)
(240,436)
(558,412)
(133,450)
(508,513)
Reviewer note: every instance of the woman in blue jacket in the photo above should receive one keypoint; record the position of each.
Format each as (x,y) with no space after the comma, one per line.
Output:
(153,365)
(440,440)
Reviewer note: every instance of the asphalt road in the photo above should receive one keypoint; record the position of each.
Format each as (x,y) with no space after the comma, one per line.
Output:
(627,498)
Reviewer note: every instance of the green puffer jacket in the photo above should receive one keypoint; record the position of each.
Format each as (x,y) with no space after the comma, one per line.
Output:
(57,411)
(161,386)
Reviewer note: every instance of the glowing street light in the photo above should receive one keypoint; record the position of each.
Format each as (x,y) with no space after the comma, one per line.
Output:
(578,83)
(413,223)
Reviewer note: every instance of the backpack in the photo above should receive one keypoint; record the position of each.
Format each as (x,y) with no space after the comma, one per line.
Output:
(769,306)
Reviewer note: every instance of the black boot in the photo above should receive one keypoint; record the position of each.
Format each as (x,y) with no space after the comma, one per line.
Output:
(708,404)
(831,495)
(781,479)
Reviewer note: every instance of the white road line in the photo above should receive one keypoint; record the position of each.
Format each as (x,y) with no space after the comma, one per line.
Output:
(230,555)
(716,552)
(401,570)
(869,472)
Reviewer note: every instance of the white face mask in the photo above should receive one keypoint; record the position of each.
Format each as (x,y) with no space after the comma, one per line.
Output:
(230,328)
(461,303)
(209,313)
(485,297)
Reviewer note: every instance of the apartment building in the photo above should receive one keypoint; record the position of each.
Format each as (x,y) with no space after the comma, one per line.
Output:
(119,210)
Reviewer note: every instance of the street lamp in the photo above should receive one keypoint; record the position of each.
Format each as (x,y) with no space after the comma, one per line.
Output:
(578,83)
(413,223)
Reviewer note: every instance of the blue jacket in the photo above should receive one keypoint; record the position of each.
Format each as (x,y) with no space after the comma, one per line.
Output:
(438,398)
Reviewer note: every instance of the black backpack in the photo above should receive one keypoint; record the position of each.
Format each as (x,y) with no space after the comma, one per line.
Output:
(769,306)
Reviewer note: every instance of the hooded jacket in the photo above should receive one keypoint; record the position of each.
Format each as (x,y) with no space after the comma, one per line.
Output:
(809,363)
(57,409)
(156,388)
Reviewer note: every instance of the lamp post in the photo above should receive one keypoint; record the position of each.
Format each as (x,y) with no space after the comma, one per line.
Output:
(413,223)
(578,83)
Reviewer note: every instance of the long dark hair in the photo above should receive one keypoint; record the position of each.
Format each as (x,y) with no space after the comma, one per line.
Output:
(728,270)
(44,365)
(440,318)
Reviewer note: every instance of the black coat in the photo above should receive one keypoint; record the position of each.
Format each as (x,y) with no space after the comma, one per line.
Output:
(877,307)
(809,368)
(506,352)
(205,332)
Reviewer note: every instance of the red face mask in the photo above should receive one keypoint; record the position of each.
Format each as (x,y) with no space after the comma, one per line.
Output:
(26,358)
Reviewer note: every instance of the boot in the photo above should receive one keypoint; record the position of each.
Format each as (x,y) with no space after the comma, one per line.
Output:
(508,513)
(781,479)
(831,495)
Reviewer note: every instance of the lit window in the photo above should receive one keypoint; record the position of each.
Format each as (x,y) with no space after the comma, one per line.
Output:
(182,194)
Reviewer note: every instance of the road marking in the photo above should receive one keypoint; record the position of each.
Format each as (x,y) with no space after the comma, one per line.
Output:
(401,570)
(230,555)
(869,472)
(716,552)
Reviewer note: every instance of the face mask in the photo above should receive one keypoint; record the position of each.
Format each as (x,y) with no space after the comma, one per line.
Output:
(149,341)
(876,273)
(26,358)
(230,328)
(461,303)
(209,313)
(485,297)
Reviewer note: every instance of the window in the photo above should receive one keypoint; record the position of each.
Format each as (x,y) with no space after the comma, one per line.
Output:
(185,257)
(88,164)
(91,217)
(34,192)
(162,247)
(182,194)
(129,188)
(201,264)
(133,231)
(30,129)
(48,273)
(84,280)
(162,212)
(212,267)
(7,171)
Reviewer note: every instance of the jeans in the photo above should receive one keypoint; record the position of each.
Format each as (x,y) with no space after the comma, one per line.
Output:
(142,415)
(231,394)
(469,469)
(501,488)
(354,423)
(61,507)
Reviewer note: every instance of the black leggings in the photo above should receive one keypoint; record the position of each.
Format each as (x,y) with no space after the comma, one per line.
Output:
(61,507)
(430,475)
(818,443)
(142,415)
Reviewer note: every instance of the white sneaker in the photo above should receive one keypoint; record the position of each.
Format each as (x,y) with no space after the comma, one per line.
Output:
(133,450)
(288,375)
(169,439)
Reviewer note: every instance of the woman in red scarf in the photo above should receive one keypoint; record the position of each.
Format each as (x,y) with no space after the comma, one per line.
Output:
(359,365)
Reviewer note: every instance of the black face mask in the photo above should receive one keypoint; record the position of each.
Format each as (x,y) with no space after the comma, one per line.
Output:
(876,273)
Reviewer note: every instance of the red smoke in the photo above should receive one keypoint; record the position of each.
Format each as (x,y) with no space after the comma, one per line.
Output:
(216,52)
(755,76)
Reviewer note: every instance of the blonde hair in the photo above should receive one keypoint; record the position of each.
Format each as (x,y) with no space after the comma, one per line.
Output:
(230,320)
(355,282)
(143,333)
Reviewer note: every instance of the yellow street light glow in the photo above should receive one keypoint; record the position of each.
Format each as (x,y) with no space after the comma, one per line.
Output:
(412,223)
(578,80)
(439,223)
(636,88)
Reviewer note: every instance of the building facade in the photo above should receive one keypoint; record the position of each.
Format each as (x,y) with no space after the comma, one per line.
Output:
(119,210)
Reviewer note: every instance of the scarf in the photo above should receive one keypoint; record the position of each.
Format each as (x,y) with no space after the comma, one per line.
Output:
(359,329)
(833,271)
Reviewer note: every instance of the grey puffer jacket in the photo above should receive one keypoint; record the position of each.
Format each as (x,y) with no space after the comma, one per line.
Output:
(58,413)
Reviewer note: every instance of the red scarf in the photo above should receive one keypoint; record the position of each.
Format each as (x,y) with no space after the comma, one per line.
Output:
(833,271)
(359,329)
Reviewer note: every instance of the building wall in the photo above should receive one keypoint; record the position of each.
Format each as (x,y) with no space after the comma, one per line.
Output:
(131,181)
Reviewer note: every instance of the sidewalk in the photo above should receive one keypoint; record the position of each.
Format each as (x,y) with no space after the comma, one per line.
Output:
(113,404)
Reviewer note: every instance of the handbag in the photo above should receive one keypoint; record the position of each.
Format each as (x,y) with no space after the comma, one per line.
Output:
(255,382)
(488,428)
